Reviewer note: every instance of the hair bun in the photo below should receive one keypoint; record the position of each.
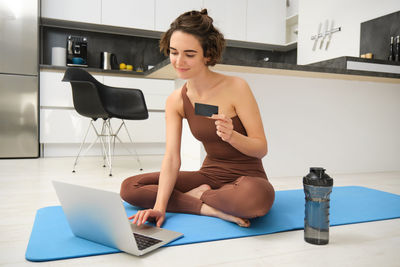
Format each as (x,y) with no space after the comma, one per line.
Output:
(204,11)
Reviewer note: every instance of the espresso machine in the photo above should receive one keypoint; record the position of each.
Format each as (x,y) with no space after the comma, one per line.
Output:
(77,51)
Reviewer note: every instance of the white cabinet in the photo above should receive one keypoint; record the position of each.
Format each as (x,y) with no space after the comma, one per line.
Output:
(266,21)
(61,124)
(229,17)
(167,11)
(258,21)
(75,10)
(54,92)
(155,91)
(66,126)
(136,14)
(292,28)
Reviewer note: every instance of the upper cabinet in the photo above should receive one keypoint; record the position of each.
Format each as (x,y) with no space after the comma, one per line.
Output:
(259,21)
(229,17)
(292,17)
(75,10)
(136,14)
(266,21)
(167,11)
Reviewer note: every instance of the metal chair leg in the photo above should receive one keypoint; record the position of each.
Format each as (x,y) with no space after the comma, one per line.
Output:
(111,145)
(103,152)
(83,142)
(125,146)
(107,139)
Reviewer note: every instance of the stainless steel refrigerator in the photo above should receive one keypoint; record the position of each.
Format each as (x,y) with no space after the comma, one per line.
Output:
(19,95)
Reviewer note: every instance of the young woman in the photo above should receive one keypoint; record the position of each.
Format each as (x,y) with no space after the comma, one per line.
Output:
(231,184)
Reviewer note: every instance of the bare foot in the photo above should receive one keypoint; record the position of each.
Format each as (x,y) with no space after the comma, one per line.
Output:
(210,211)
(198,191)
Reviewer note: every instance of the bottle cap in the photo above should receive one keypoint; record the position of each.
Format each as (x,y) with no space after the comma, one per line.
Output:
(318,177)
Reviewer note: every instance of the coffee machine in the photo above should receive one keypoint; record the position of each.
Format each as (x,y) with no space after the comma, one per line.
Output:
(77,51)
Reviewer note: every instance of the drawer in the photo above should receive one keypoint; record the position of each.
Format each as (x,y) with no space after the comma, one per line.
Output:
(54,92)
(155,91)
(67,126)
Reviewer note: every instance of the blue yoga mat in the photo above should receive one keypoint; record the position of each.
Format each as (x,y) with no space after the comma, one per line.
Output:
(52,239)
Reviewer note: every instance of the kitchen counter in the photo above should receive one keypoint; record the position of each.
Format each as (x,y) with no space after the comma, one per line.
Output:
(319,70)
(362,64)
(339,68)
(97,70)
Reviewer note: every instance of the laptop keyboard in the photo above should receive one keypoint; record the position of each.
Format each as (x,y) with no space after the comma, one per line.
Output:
(144,242)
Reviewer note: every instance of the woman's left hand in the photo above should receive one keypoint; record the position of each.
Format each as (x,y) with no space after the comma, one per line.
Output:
(224,126)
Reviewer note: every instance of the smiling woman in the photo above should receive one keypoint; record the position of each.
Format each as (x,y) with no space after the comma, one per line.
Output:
(231,184)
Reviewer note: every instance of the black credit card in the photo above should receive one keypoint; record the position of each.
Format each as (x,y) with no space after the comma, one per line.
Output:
(205,110)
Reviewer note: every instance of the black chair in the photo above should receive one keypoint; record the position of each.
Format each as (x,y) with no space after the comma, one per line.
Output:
(97,101)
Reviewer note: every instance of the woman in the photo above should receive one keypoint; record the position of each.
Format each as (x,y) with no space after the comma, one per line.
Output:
(231,184)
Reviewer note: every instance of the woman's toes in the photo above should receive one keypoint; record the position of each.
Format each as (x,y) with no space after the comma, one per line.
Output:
(244,222)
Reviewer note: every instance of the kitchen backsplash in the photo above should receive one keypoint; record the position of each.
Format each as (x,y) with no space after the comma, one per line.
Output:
(144,51)
(136,51)
(375,35)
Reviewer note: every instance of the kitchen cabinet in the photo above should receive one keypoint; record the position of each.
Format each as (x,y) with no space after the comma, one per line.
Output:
(54,92)
(136,14)
(75,10)
(155,91)
(292,28)
(60,123)
(167,11)
(66,126)
(229,17)
(266,22)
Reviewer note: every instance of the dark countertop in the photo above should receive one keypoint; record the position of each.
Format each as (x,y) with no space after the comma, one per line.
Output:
(96,70)
(341,62)
(333,66)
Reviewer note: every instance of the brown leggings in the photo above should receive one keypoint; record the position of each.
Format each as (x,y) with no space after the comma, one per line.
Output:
(245,197)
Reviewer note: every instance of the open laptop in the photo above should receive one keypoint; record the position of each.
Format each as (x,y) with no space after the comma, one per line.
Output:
(100,216)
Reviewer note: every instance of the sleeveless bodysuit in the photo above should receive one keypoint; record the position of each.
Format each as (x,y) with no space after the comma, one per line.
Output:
(239,184)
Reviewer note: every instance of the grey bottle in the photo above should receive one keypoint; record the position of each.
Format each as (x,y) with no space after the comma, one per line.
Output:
(317,188)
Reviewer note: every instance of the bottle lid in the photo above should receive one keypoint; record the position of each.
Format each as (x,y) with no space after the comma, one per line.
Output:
(318,177)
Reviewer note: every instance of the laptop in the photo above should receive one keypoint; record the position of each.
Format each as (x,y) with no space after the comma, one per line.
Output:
(100,216)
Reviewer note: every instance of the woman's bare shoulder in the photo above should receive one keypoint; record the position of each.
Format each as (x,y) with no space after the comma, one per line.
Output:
(236,85)
(175,101)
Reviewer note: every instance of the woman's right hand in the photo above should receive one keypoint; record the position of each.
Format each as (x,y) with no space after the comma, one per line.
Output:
(150,214)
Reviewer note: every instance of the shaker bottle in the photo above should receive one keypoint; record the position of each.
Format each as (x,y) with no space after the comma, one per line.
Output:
(317,188)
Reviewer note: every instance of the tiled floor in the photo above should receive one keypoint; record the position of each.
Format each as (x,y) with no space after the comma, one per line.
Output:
(25,186)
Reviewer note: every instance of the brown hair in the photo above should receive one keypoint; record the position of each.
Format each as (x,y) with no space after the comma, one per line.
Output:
(200,25)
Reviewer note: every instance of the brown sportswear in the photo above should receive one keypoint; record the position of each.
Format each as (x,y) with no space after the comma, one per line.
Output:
(239,184)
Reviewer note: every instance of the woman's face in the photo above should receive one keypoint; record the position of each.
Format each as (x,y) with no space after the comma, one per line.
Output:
(186,55)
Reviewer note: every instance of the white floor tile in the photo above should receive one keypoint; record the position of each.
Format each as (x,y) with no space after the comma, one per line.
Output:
(25,186)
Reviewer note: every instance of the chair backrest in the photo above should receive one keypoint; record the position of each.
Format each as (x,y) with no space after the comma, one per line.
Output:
(96,100)
(85,93)
(124,103)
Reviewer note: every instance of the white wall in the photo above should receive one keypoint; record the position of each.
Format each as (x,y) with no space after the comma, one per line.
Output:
(345,126)
(346,14)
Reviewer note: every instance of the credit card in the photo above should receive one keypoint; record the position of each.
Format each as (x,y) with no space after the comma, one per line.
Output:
(205,110)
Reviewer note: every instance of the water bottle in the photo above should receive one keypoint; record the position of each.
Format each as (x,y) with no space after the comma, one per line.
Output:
(317,188)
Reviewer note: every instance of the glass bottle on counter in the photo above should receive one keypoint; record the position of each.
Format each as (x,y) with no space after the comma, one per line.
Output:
(391,51)
(397,48)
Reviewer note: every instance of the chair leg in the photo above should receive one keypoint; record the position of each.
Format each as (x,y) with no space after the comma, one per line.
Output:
(111,144)
(130,139)
(103,151)
(106,140)
(83,142)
